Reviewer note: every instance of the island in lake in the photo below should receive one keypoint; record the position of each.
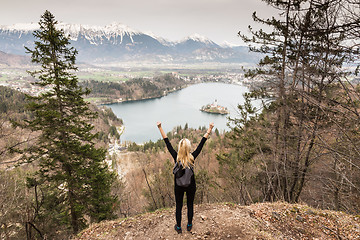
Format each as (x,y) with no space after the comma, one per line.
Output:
(214,108)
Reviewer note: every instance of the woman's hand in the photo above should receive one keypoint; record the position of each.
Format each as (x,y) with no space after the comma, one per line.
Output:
(208,132)
(158,124)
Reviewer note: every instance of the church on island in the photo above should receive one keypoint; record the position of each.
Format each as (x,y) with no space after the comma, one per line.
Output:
(214,108)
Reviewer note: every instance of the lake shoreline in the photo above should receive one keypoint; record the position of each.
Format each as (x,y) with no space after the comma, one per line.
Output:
(110,102)
(103,102)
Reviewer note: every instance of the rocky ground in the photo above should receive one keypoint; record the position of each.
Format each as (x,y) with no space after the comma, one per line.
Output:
(229,221)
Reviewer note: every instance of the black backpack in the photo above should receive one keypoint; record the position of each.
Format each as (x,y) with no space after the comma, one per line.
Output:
(182,175)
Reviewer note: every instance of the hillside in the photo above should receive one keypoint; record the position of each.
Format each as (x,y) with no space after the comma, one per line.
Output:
(12,107)
(228,221)
(134,89)
(13,60)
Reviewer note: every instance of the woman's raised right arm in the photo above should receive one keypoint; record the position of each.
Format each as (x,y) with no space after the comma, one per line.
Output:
(167,142)
(161,130)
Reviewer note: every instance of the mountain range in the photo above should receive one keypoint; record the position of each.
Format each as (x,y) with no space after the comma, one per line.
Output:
(119,43)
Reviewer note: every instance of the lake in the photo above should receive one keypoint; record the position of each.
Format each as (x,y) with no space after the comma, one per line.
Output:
(177,109)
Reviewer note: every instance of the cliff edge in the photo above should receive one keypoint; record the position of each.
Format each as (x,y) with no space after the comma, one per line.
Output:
(229,221)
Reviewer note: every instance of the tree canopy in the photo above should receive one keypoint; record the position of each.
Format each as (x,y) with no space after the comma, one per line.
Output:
(72,171)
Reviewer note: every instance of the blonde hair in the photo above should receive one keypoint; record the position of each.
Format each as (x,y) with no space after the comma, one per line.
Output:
(184,156)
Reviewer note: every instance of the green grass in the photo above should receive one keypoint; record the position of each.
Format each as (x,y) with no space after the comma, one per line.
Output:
(12,74)
(94,99)
(4,78)
(122,76)
(115,76)
(100,76)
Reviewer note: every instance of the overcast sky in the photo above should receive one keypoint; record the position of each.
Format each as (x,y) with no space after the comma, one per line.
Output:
(219,20)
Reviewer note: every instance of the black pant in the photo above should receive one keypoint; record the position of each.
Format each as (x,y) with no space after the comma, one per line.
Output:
(179,197)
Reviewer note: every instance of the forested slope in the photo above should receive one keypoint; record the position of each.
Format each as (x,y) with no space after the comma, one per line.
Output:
(134,89)
(12,108)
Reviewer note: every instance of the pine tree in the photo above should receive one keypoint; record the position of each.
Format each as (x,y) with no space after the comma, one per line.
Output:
(77,180)
(305,51)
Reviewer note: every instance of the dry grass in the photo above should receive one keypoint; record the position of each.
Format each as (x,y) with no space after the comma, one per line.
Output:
(229,221)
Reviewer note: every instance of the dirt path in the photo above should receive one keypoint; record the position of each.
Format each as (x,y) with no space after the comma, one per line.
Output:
(229,221)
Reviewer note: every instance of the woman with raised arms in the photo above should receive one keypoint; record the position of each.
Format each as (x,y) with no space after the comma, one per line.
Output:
(186,159)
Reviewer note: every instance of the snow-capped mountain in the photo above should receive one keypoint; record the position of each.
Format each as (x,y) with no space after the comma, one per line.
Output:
(198,38)
(115,33)
(117,42)
(193,43)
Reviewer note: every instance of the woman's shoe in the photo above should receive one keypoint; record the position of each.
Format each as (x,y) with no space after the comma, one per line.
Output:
(189,227)
(177,229)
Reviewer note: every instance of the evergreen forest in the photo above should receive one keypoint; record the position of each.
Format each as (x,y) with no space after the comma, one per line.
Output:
(301,146)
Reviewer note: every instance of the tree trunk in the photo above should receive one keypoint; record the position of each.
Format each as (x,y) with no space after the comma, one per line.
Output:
(151,193)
